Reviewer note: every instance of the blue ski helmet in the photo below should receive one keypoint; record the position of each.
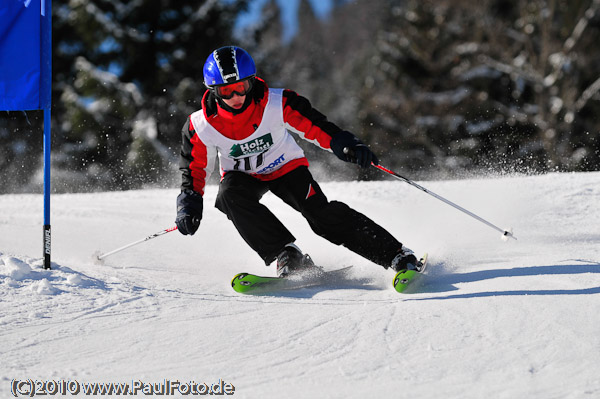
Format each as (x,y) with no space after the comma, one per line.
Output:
(228,65)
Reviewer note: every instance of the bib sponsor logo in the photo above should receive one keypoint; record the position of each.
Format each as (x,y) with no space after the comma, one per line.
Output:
(272,165)
(255,146)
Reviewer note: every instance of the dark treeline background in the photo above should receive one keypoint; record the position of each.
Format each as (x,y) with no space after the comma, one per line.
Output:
(438,89)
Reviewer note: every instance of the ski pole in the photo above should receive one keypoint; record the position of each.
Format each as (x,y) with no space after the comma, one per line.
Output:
(505,233)
(160,233)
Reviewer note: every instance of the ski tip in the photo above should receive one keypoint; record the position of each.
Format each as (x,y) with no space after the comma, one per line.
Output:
(237,277)
(239,284)
(403,278)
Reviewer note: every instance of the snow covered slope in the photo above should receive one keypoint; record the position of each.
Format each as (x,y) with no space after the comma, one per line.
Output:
(516,319)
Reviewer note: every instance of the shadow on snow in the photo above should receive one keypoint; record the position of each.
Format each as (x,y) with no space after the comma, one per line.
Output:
(446,282)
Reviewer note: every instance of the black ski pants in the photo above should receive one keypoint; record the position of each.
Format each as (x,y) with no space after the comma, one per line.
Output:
(239,198)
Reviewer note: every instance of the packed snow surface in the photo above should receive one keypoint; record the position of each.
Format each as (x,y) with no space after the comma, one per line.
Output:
(490,319)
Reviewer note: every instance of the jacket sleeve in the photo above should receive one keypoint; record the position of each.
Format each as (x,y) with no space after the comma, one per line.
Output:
(196,160)
(301,118)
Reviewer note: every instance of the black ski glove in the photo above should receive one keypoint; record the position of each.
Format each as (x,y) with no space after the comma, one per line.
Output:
(350,149)
(189,211)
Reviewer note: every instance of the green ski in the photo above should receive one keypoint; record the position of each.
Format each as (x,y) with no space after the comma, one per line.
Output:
(404,278)
(247,282)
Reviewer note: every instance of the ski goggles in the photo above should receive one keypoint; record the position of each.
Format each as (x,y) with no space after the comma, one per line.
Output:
(240,88)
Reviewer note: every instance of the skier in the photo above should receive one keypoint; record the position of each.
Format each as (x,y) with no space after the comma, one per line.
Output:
(248,125)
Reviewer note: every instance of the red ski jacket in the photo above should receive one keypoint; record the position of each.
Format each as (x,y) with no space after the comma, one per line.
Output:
(298,115)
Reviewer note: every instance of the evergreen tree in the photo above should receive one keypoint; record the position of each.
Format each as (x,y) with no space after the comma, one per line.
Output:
(442,86)
(490,84)
(119,66)
(455,85)
(156,50)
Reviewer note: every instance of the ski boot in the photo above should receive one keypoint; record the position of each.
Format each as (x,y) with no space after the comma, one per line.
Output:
(405,260)
(292,261)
